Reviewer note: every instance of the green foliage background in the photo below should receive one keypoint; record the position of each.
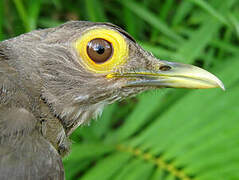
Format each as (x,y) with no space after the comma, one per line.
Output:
(166,134)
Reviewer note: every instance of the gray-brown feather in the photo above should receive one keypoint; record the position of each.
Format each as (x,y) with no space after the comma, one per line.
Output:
(28,157)
(24,152)
(46,93)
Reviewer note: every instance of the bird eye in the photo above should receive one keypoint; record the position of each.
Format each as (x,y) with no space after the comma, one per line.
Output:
(99,50)
(102,50)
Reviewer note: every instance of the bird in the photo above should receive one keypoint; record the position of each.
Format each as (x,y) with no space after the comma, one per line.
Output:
(54,80)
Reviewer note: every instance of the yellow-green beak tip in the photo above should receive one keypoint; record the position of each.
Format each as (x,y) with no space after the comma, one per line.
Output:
(177,75)
(190,76)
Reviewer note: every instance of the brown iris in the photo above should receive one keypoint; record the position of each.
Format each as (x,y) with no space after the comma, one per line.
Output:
(99,50)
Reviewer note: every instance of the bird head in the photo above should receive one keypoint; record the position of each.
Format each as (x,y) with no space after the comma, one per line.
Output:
(82,66)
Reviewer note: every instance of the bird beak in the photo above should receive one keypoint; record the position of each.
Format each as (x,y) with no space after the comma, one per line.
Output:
(174,75)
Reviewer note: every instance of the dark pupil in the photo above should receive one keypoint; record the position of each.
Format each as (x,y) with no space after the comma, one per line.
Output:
(99,50)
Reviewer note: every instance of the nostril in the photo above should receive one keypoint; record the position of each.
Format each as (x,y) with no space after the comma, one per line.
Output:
(164,68)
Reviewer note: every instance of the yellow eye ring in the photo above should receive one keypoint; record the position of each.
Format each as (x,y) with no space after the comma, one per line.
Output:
(119,45)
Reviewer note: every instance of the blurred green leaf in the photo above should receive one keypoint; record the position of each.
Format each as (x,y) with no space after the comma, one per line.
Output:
(1,20)
(107,167)
(95,10)
(207,7)
(48,23)
(150,18)
(182,11)
(235,21)
(23,14)
(33,13)
(198,41)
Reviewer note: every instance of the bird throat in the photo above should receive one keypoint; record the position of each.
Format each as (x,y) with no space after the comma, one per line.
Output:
(74,116)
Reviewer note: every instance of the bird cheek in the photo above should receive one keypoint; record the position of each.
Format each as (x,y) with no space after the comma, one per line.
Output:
(119,82)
